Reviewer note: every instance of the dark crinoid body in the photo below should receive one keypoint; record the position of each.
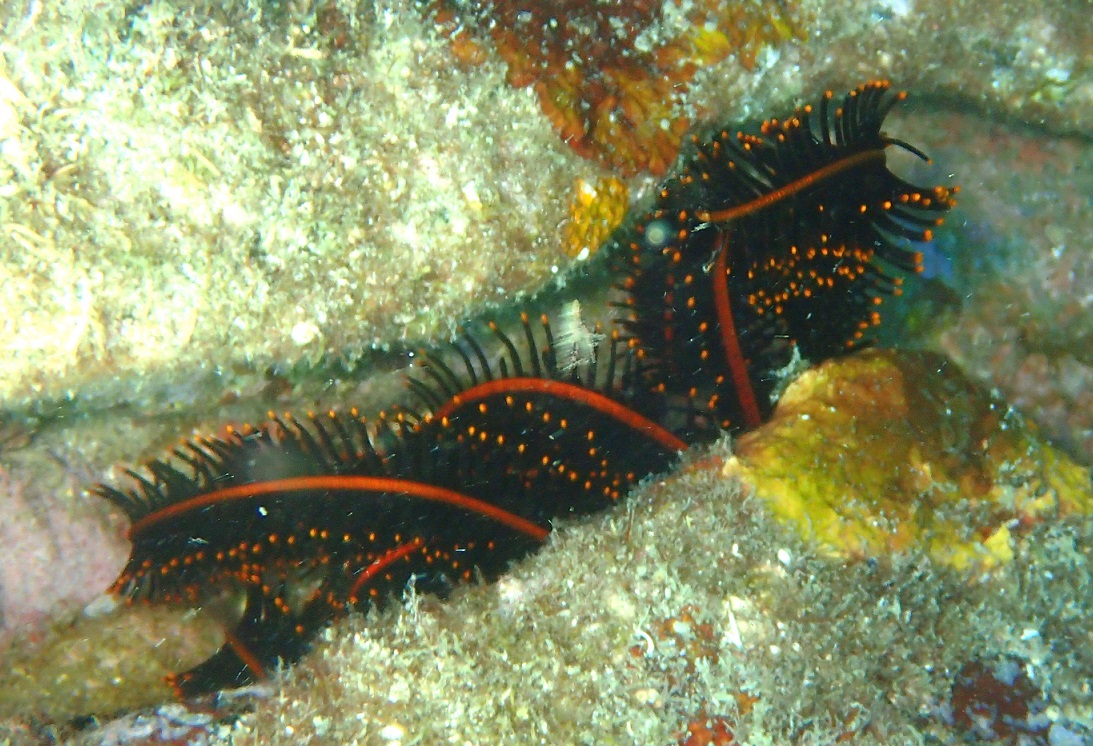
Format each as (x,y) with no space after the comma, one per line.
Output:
(790,236)
(453,488)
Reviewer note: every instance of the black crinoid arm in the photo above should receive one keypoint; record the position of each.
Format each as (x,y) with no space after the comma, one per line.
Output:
(791,233)
(834,229)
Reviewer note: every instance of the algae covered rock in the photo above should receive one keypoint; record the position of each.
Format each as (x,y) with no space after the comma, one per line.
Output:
(889,451)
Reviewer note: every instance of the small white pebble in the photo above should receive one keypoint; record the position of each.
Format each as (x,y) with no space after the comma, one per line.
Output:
(393,732)
(304,332)
(470,193)
(784,557)
(683,629)
(399,691)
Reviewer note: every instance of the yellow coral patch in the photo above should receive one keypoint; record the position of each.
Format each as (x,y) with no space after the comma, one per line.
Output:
(596,210)
(886,451)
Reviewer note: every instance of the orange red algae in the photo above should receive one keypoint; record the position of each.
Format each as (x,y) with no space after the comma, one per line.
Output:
(610,75)
(709,731)
(998,703)
(889,451)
